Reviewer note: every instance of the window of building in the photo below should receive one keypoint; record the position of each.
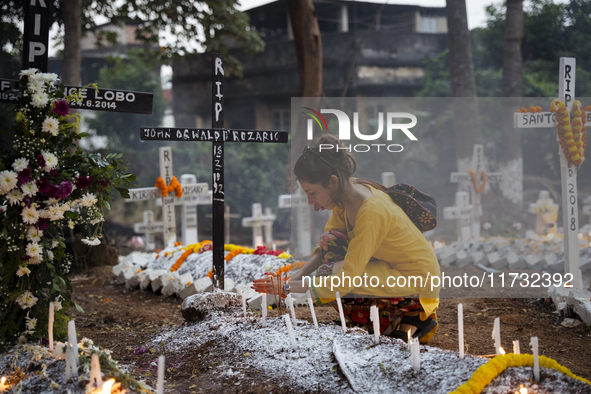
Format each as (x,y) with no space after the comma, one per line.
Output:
(428,25)
(281,120)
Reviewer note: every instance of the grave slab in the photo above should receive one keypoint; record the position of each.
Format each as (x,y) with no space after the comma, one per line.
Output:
(147,281)
(197,287)
(176,285)
(135,280)
(158,283)
(580,302)
(492,258)
(127,273)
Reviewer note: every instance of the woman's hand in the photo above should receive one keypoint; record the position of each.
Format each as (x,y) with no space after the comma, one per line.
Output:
(271,284)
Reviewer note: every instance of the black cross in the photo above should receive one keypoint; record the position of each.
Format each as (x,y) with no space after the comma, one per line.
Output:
(218,135)
(36,38)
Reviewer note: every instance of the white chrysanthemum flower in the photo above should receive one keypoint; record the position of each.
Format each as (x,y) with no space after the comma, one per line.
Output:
(36,84)
(14,196)
(50,125)
(29,189)
(20,164)
(91,241)
(48,77)
(49,255)
(22,271)
(33,233)
(65,207)
(31,323)
(55,213)
(34,260)
(7,181)
(44,213)
(39,99)
(28,72)
(88,200)
(57,305)
(50,160)
(27,300)
(34,250)
(30,215)
(97,220)
(71,224)
(54,244)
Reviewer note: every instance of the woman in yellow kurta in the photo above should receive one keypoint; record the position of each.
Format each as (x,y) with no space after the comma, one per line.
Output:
(371,253)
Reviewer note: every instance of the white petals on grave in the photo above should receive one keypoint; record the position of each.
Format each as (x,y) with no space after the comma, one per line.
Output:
(29,189)
(21,271)
(7,181)
(50,161)
(88,200)
(26,300)
(91,241)
(31,323)
(50,125)
(34,250)
(28,72)
(14,196)
(20,164)
(30,215)
(39,99)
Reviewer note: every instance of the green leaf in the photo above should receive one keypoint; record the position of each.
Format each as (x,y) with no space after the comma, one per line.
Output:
(70,215)
(106,204)
(56,287)
(50,266)
(78,307)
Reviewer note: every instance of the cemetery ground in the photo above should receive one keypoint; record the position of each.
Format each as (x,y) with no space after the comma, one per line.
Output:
(126,321)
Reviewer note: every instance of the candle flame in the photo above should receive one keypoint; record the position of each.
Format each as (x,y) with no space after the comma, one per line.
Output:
(522,390)
(107,386)
(409,334)
(502,351)
(438,245)
(550,236)
(3,380)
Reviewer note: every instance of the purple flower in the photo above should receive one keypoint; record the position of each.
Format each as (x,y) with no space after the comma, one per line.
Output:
(25,257)
(64,190)
(61,108)
(83,182)
(44,186)
(103,182)
(24,176)
(43,224)
(54,173)
(41,161)
(27,201)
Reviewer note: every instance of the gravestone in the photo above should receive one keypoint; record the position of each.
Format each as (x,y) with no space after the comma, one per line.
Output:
(568,171)
(546,212)
(462,212)
(149,228)
(217,135)
(300,216)
(466,178)
(258,221)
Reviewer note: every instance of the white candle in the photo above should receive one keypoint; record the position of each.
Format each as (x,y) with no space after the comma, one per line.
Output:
(264,310)
(415,355)
(496,335)
(375,317)
(160,384)
(311,304)
(289,302)
(243,303)
(516,349)
(95,371)
(461,329)
(73,343)
(50,326)
(534,347)
(290,333)
(343,324)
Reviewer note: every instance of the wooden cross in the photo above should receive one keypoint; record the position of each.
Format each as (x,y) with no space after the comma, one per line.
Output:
(217,135)
(149,228)
(568,173)
(301,236)
(462,212)
(36,36)
(168,203)
(463,177)
(258,221)
(189,203)
(546,211)
(227,217)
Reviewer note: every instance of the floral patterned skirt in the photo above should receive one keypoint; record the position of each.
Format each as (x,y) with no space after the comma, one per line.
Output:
(333,246)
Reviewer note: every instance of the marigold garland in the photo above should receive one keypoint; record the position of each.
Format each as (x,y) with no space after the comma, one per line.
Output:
(477,189)
(175,186)
(189,250)
(572,137)
(495,366)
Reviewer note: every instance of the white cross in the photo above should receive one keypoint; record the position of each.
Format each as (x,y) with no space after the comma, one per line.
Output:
(194,195)
(568,173)
(388,179)
(547,212)
(152,193)
(227,217)
(149,227)
(462,212)
(463,177)
(302,242)
(257,222)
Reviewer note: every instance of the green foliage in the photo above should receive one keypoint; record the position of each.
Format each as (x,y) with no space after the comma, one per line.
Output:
(138,72)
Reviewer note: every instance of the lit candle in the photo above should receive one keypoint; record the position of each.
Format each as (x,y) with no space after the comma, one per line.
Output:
(290,333)
(311,304)
(289,302)
(3,386)
(95,372)
(534,347)
(496,335)
(461,329)
(243,303)
(264,309)
(50,326)
(343,324)
(408,340)
(375,317)
(160,384)
(502,351)
(107,386)
(516,349)
(415,355)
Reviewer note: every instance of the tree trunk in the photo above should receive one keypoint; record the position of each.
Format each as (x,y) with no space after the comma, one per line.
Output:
(466,117)
(511,158)
(72,12)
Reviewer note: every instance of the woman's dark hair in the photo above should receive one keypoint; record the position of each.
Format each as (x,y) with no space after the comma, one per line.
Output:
(315,166)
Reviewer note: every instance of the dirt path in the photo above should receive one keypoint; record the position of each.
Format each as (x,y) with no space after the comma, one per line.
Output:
(123,320)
